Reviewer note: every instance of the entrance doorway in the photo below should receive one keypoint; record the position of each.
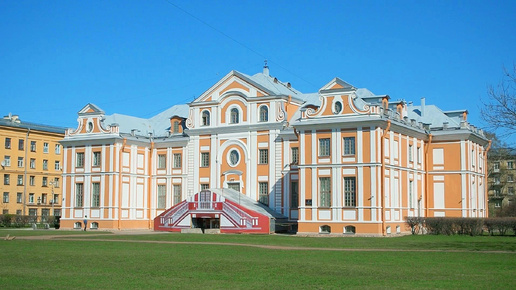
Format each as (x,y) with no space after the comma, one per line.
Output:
(206,223)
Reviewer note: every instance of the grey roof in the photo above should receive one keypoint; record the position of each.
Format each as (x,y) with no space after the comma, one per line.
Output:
(157,125)
(33,126)
(432,115)
(247,202)
(278,87)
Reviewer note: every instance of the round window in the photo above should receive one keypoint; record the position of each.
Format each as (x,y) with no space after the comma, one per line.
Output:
(234,157)
(90,127)
(338,107)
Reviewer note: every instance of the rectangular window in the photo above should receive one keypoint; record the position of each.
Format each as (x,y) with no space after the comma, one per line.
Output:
(7,179)
(263,189)
(55,199)
(5,211)
(57,212)
(411,194)
(18,212)
(31,197)
(21,144)
(79,194)
(177,193)
(20,161)
(7,143)
(57,149)
(325,191)
(32,163)
(205,186)
(419,155)
(510,190)
(33,211)
(205,159)
(510,178)
(45,164)
(95,194)
(162,195)
(324,147)
(79,160)
(57,165)
(295,155)
(20,180)
(56,182)
(162,161)
(410,149)
(96,159)
(294,196)
(44,198)
(264,156)
(45,147)
(32,180)
(19,197)
(496,165)
(32,146)
(6,197)
(45,212)
(7,160)
(349,146)
(510,165)
(349,192)
(44,181)
(177,160)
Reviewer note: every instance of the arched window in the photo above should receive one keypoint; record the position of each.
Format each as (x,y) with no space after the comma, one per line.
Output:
(205,118)
(326,229)
(234,116)
(234,157)
(349,230)
(264,114)
(77,225)
(176,127)
(94,225)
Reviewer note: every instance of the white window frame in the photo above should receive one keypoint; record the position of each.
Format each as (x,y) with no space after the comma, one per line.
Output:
(263,156)
(205,118)
(324,147)
(95,194)
(162,196)
(162,161)
(263,190)
(349,146)
(177,160)
(263,113)
(325,191)
(205,159)
(350,191)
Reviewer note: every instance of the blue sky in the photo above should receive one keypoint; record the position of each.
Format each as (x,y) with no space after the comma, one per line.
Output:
(141,57)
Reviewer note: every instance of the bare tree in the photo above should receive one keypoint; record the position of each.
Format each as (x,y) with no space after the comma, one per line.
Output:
(499,111)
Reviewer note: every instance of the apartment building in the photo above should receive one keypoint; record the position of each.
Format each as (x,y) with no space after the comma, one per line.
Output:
(501,178)
(31,167)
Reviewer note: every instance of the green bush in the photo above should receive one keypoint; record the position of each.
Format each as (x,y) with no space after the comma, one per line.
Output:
(6,220)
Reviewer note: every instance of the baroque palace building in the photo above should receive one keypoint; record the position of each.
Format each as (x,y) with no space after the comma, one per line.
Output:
(252,153)
(31,167)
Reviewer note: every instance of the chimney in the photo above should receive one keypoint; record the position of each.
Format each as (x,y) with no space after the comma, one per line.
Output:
(266,69)
(422,107)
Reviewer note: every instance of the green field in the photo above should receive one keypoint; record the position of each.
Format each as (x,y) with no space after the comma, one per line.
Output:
(104,260)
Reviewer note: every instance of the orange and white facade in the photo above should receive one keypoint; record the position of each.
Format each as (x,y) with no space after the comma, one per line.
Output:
(341,160)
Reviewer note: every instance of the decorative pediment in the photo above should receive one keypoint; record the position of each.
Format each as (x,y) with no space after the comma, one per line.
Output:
(91,109)
(233,82)
(337,85)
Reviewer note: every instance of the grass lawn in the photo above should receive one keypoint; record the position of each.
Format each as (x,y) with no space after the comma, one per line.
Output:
(110,264)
